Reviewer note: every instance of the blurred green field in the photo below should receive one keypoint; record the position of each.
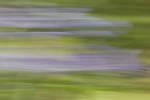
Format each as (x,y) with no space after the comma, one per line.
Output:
(86,85)
(134,11)
(74,85)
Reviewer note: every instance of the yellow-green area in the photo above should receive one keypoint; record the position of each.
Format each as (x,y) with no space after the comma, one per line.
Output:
(106,95)
(74,85)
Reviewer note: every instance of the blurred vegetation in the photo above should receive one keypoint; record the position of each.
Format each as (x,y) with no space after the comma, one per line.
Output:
(135,12)
(75,85)
(72,85)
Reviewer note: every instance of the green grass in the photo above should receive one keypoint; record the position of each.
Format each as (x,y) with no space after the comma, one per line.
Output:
(74,85)
(105,95)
